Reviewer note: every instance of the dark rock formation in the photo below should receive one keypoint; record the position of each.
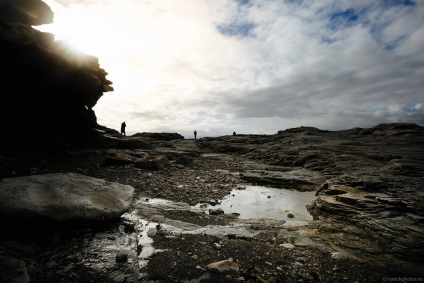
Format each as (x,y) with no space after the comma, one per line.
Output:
(232,144)
(160,136)
(28,12)
(48,88)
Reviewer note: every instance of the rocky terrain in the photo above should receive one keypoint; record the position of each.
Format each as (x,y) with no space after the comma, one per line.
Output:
(367,211)
(81,203)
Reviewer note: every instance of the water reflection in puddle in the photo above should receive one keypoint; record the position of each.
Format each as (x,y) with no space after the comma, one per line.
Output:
(250,203)
(267,202)
(146,230)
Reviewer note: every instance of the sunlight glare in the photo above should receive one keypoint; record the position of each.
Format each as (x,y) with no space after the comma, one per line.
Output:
(81,27)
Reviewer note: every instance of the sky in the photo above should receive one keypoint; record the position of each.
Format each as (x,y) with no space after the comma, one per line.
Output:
(250,66)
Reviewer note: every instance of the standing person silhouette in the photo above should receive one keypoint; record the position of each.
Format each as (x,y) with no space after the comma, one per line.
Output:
(123,125)
(195,134)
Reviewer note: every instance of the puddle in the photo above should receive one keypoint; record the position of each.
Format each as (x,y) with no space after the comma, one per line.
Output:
(252,204)
(266,202)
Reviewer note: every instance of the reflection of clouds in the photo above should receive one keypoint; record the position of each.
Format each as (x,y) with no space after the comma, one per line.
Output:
(253,202)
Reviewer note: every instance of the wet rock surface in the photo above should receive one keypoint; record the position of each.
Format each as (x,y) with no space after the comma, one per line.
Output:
(367,213)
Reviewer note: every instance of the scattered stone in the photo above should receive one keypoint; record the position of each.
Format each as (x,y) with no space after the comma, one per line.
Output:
(299,264)
(338,256)
(217,246)
(224,266)
(287,245)
(216,211)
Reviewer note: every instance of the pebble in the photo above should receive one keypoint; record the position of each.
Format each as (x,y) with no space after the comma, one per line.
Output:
(286,245)
(217,246)
(337,256)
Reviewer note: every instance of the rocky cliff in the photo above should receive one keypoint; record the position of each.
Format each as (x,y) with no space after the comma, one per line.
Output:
(48,89)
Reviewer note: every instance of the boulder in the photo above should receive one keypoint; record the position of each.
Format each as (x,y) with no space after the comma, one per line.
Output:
(184,160)
(63,197)
(159,162)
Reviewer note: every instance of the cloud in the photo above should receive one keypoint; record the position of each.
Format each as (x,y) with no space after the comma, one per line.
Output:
(258,66)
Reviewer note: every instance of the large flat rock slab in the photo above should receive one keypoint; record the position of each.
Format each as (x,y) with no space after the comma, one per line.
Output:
(299,179)
(63,197)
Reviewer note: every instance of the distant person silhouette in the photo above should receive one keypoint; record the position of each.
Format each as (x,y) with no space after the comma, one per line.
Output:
(195,134)
(123,125)
(234,133)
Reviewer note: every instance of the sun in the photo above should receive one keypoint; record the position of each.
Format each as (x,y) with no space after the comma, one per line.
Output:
(82,27)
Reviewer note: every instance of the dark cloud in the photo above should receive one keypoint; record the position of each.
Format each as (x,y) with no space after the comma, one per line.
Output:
(237,29)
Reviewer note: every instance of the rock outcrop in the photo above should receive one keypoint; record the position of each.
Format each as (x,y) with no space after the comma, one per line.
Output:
(369,202)
(384,215)
(48,88)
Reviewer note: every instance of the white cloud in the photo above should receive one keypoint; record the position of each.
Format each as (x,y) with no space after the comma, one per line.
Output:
(220,66)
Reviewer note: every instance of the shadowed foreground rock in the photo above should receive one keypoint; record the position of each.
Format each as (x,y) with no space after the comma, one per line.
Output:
(63,197)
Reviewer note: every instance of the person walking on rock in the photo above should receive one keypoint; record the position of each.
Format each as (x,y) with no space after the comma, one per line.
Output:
(123,125)
(195,134)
